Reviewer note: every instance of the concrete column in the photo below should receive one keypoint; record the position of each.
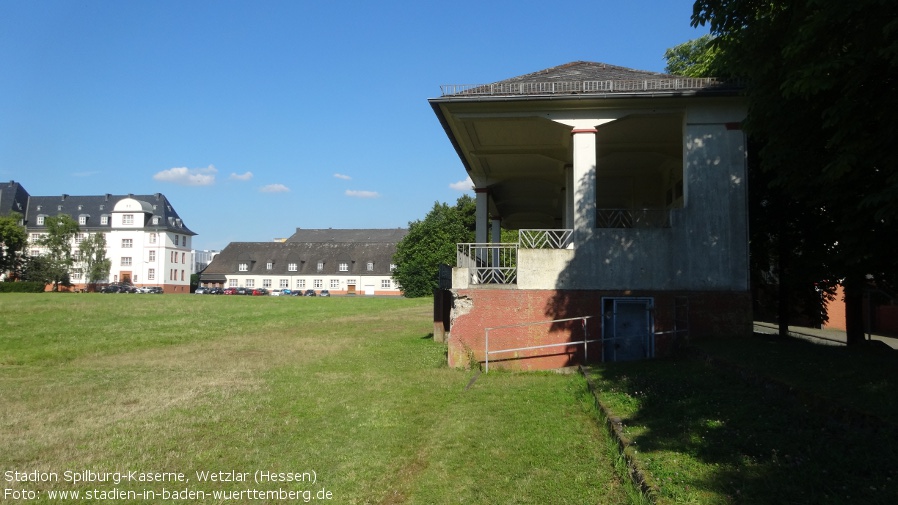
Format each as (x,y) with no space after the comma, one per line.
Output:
(482,215)
(496,229)
(584,179)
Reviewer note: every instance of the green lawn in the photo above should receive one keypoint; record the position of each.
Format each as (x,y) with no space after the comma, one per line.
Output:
(764,422)
(348,396)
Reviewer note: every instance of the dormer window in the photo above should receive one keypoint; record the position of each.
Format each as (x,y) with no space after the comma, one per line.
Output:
(344,267)
(243,267)
(40,220)
(104,219)
(269,265)
(155,220)
(80,207)
(38,207)
(82,220)
(59,208)
(320,266)
(127,219)
(291,267)
(370,266)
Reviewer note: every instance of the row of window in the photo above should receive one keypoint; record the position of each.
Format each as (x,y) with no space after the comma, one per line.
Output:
(293,267)
(301,283)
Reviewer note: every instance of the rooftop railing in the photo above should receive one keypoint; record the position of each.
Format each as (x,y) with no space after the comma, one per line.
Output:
(574,87)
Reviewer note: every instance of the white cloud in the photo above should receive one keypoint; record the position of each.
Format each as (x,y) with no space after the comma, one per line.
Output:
(274,188)
(241,177)
(362,194)
(188,176)
(344,177)
(464,185)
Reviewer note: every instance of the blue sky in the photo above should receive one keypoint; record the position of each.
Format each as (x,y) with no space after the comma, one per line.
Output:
(255,118)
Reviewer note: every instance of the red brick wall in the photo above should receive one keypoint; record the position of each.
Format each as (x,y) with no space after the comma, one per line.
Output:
(474,310)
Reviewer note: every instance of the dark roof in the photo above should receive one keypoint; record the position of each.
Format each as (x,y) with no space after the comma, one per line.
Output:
(589,78)
(305,255)
(586,71)
(97,206)
(370,236)
(13,198)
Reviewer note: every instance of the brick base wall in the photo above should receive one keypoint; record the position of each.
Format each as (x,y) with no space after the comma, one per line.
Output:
(710,314)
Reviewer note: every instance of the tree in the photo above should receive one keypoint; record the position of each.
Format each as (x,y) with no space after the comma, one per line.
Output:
(61,231)
(93,258)
(823,88)
(13,238)
(430,243)
(693,58)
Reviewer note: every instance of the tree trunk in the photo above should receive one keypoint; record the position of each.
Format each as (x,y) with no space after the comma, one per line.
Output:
(854,310)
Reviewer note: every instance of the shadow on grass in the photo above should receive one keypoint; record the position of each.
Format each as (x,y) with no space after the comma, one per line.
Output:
(705,435)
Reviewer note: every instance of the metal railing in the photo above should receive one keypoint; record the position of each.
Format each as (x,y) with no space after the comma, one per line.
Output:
(545,239)
(489,263)
(632,218)
(586,340)
(571,87)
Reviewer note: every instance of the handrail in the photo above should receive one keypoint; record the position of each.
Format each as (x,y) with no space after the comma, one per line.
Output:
(571,87)
(585,341)
(545,238)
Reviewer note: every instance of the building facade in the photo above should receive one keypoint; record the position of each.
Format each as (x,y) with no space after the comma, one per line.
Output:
(629,191)
(147,242)
(344,262)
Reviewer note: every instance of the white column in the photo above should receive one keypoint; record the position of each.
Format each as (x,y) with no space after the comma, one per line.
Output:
(584,179)
(482,215)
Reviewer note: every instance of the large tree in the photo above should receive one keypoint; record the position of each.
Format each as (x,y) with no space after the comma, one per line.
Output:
(693,58)
(57,242)
(822,94)
(13,238)
(93,258)
(431,242)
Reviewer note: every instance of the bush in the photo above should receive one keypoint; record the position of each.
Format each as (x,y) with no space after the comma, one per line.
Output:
(22,287)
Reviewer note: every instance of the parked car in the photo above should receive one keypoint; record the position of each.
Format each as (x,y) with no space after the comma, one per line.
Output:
(112,288)
(200,291)
(260,292)
(286,292)
(324,292)
(243,291)
(298,292)
(309,292)
(230,291)
(156,290)
(276,292)
(215,291)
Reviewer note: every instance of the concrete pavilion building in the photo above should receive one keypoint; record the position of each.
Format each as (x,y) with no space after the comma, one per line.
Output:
(629,189)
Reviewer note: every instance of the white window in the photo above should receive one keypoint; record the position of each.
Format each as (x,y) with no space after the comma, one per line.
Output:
(79,238)
(291,267)
(232,283)
(76,274)
(317,283)
(40,220)
(269,265)
(385,283)
(335,283)
(300,283)
(126,261)
(243,267)
(127,243)
(344,267)
(250,283)
(152,237)
(155,220)
(266,283)
(82,220)
(151,274)
(284,283)
(370,266)
(104,219)
(320,266)
(152,256)
(127,219)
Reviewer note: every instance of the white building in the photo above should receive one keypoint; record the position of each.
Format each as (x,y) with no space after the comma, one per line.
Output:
(147,242)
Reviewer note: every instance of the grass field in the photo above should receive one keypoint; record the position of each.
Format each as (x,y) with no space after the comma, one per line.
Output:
(347,396)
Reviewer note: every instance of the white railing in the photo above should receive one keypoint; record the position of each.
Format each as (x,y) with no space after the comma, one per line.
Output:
(545,239)
(584,342)
(632,218)
(569,87)
(489,263)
